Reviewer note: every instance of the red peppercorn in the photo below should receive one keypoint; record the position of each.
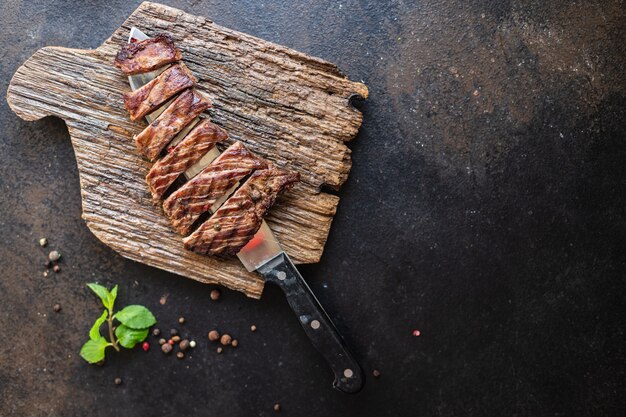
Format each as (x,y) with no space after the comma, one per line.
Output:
(416,333)
(145,346)
(171,342)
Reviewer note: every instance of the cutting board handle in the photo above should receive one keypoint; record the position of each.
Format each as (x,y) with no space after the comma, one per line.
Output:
(38,89)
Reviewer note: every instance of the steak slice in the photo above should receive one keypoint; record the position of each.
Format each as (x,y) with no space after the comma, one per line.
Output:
(197,196)
(164,128)
(146,99)
(236,222)
(148,55)
(190,150)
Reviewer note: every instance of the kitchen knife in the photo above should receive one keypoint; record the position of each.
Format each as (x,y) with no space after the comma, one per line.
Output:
(264,255)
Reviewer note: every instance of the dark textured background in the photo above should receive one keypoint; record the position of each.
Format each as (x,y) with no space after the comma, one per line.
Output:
(485,208)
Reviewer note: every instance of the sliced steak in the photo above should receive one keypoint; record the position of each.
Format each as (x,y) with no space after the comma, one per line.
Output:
(236,222)
(148,55)
(190,150)
(146,99)
(164,128)
(197,196)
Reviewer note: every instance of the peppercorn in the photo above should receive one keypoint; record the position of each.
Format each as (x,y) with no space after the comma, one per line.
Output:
(145,346)
(156,332)
(56,268)
(56,308)
(226,339)
(45,274)
(215,295)
(277,407)
(166,348)
(234,343)
(183,345)
(214,335)
(170,342)
(376,373)
(192,344)
(118,381)
(162,341)
(180,355)
(253,328)
(181,320)
(47,264)
(219,349)
(54,256)
(173,332)
(176,339)
(43,242)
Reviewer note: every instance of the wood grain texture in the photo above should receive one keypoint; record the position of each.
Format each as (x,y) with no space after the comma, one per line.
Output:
(288,107)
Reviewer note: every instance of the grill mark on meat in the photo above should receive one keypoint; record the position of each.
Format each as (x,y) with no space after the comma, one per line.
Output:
(197,196)
(238,220)
(196,144)
(146,99)
(148,55)
(164,128)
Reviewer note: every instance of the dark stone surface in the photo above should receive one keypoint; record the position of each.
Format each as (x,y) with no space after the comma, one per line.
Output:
(485,208)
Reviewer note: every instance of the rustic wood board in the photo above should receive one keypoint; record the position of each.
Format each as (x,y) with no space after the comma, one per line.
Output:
(289,107)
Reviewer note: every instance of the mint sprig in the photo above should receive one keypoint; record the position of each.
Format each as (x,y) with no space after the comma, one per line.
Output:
(135,320)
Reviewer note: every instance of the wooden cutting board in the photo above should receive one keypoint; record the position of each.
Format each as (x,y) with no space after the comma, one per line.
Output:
(289,107)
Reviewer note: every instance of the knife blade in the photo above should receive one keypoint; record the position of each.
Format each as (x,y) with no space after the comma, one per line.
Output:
(264,254)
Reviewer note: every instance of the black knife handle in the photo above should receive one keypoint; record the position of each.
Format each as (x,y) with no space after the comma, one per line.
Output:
(316,323)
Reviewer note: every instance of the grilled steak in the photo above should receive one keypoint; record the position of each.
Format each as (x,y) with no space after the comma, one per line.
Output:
(190,150)
(164,128)
(197,196)
(232,226)
(236,222)
(148,55)
(146,99)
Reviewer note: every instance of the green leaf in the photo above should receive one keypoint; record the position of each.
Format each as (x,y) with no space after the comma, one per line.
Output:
(103,293)
(135,317)
(128,337)
(94,333)
(112,297)
(93,350)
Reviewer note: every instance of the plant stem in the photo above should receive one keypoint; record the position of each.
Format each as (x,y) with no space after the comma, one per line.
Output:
(111,334)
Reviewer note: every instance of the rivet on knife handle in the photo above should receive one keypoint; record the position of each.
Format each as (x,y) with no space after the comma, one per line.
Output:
(316,323)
